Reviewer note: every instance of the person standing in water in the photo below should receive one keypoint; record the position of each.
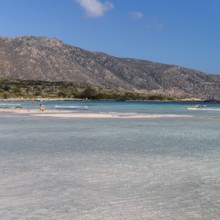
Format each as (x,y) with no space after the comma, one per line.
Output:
(42,108)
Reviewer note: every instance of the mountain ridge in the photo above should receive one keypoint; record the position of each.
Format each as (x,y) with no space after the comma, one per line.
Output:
(49,59)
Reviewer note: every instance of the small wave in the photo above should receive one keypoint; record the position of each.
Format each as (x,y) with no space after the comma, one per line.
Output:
(210,109)
(9,104)
(70,107)
(205,109)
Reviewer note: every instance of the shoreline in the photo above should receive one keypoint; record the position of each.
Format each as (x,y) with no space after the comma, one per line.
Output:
(76,114)
(91,100)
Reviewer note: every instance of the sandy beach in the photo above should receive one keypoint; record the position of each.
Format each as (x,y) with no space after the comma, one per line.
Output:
(76,114)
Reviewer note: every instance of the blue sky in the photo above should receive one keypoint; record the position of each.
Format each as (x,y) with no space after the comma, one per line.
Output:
(180,32)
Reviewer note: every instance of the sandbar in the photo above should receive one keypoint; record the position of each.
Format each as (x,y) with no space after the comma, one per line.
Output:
(73,114)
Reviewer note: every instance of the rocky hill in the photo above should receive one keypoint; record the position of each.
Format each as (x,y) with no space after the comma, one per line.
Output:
(49,59)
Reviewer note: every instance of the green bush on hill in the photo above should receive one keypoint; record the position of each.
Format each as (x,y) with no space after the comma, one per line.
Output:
(32,89)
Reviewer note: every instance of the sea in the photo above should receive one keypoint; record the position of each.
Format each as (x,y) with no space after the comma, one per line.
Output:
(164,168)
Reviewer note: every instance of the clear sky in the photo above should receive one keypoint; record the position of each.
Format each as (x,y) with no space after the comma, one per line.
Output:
(180,32)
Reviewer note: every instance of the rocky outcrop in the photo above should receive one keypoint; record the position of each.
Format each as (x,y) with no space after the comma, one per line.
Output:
(49,59)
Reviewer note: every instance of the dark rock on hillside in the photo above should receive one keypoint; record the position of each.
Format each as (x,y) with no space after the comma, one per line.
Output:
(46,59)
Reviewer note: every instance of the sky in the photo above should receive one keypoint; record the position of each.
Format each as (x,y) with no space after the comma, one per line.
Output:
(180,32)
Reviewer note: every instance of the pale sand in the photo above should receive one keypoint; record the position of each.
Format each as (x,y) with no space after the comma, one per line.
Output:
(71,114)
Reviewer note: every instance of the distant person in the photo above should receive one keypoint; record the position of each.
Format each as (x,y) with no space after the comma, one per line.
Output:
(42,108)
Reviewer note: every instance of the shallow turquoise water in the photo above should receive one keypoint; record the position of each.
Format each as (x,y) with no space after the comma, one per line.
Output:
(59,168)
(125,107)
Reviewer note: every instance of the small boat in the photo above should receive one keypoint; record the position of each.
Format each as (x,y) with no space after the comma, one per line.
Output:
(192,107)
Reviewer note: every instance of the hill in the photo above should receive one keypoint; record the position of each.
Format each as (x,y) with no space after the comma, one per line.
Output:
(49,59)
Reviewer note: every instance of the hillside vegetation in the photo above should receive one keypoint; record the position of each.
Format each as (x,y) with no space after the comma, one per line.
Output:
(34,89)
